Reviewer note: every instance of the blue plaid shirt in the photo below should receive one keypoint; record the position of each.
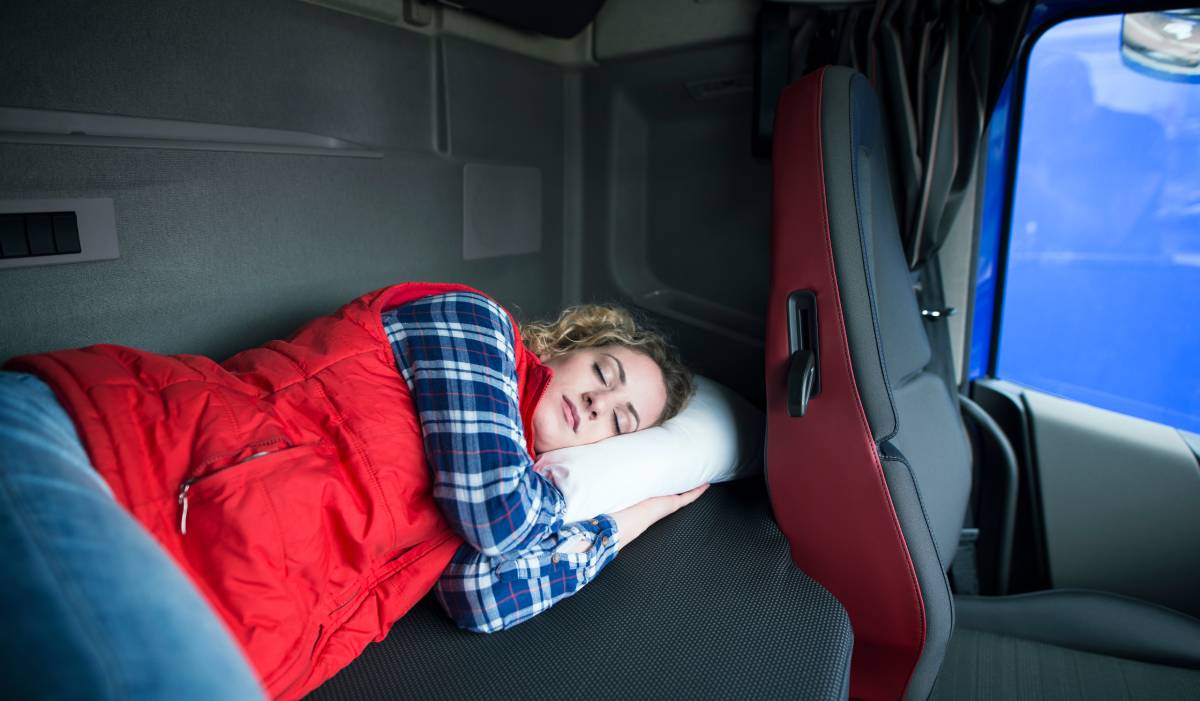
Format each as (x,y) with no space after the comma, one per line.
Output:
(457,353)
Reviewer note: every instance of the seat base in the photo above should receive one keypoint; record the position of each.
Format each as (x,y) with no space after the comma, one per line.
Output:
(1089,621)
(1069,644)
(982,665)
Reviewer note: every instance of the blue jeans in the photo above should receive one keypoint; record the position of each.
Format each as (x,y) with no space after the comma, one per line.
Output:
(91,607)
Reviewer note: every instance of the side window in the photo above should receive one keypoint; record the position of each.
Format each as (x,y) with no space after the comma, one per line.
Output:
(1102,292)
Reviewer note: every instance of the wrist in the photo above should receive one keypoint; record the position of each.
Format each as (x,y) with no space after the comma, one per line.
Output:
(667,505)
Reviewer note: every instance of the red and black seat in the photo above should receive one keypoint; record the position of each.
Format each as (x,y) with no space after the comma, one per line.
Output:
(868,463)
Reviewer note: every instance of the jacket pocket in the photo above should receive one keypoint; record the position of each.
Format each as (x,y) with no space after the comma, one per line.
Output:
(215,474)
(234,538)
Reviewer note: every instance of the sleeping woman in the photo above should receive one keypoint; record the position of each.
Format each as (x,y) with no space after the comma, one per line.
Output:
(308,492)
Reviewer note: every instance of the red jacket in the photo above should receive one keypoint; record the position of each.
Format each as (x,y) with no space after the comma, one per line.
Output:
(296,469)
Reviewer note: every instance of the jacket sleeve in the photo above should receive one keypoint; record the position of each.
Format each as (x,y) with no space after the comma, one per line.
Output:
(457,353)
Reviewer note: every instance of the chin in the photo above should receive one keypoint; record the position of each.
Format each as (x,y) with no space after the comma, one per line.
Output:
(545,445)
(546,438)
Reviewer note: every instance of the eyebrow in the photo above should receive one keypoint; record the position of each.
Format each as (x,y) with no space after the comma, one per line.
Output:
(628,405)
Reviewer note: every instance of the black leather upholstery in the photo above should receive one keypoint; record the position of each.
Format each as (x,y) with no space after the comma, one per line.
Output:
(925,457)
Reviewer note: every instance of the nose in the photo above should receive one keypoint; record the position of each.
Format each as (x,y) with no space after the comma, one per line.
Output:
(596,403)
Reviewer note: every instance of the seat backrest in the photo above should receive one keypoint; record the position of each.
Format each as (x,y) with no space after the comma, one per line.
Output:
(870,485)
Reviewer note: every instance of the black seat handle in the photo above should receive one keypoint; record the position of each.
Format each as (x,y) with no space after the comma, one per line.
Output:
(804,368)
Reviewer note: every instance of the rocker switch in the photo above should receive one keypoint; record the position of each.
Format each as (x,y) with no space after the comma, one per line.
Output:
(12,236)
(66,233)
(40,233)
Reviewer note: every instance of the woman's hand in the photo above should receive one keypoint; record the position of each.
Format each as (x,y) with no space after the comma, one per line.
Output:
(637,518)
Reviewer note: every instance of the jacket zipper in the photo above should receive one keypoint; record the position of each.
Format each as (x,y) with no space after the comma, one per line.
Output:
(186,485)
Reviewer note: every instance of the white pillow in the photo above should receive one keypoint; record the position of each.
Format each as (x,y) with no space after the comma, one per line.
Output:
(717,437)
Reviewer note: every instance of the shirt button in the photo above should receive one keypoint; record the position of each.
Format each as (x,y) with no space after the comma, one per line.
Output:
(595,522)
(604,540)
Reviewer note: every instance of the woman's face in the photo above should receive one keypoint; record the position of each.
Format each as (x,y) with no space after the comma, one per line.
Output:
(596,393)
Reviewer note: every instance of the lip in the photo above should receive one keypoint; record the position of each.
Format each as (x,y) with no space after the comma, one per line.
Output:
(571,414)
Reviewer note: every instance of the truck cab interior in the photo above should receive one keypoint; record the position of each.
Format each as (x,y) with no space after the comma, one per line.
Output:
(950,249)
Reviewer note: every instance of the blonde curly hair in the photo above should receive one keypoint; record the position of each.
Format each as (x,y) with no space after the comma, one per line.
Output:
(594,325)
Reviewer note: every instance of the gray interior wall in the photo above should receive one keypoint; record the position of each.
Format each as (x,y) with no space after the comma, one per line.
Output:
(1118,497)
(220,250)
(648,193)
(677,211)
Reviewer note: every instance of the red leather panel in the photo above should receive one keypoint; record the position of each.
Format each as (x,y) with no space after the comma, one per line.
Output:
(827,485)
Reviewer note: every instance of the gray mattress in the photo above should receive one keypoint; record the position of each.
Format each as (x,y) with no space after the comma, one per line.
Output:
(705,604)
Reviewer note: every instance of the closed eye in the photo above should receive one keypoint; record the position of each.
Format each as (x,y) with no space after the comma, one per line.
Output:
(604,381)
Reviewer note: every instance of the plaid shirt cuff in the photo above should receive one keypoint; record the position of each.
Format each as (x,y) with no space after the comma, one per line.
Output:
(487,594)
